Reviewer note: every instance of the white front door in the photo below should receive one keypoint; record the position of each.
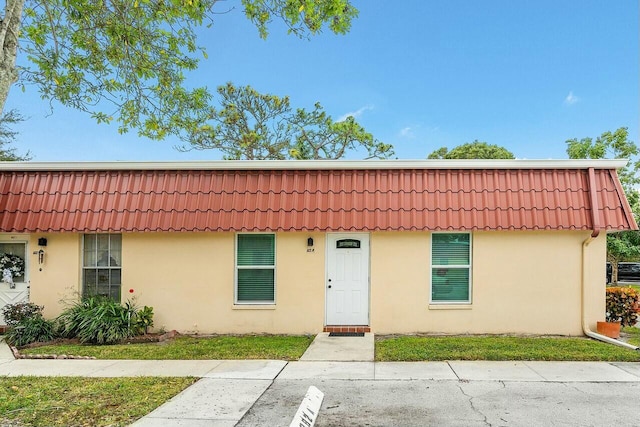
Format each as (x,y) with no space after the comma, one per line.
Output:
(347,279)
(20,291)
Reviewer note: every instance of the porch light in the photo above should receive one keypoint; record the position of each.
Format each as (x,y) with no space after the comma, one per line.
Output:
(42,242)
(310,242)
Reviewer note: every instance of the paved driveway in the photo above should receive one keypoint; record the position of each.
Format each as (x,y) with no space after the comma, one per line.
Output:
(452,403)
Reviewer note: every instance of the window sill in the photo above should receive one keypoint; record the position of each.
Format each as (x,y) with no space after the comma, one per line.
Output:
(466,306)
(253,307)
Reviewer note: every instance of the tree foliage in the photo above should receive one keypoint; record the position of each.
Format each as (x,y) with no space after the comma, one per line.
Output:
(612,145)
(624,245)
(8,136)
(254,126)
(302,17)
(473,150)
(127,60)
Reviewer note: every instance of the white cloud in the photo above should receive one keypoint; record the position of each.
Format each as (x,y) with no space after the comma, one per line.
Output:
(407,132)
(571,99)
(355,114)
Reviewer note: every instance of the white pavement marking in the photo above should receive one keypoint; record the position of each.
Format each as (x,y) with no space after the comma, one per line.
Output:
(209,401)
(309,408)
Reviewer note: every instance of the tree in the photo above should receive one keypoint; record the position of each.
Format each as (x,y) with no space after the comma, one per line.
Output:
(254,126)
(623,245)
(473,150)
(125,60)
(8,136)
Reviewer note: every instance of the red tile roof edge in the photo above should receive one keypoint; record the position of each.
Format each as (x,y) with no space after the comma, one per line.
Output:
(318,164)
(626,207)
(306,200)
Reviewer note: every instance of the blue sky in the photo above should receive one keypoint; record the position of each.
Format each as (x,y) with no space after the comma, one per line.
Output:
(418,74)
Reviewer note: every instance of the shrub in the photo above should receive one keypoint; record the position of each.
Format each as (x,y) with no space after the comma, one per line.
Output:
(144,319)
(30,330)
(68,323)
(26,324)
(15,313)
(622,305)
(100,320)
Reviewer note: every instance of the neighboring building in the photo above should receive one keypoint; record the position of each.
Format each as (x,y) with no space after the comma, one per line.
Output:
(500,246)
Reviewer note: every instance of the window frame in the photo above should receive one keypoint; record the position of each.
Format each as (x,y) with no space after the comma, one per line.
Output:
(25,276)
(97,267)
(468,267)
(237,267)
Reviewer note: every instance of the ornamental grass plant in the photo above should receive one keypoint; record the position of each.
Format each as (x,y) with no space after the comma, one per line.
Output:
(92,320)
(100,320)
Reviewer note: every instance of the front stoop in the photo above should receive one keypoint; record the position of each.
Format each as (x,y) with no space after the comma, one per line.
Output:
(347,328)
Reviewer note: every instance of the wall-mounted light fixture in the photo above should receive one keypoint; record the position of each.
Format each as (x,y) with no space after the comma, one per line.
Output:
(42,242)
(310,242)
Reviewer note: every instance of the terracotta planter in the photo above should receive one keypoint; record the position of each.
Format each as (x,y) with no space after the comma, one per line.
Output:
(609,329)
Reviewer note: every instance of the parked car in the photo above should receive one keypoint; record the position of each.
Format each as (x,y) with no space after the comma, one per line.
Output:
(627,271)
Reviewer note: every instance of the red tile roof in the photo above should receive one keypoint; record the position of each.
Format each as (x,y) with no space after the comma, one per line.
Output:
(306,199)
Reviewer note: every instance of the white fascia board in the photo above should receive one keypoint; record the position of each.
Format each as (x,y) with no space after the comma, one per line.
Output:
(315,165)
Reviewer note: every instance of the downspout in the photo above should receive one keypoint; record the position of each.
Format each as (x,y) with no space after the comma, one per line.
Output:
(596,231)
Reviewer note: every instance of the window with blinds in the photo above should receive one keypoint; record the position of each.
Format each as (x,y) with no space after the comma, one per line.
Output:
(102,265)
(255,268)
(451,267)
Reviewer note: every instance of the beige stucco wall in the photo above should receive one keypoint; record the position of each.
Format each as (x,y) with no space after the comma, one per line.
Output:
(523,282)
(188,278)
(56,282)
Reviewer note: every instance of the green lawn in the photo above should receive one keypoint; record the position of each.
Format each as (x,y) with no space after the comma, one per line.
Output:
(415,348)
(281,347)
(64,401)
(402,348)
(634,335)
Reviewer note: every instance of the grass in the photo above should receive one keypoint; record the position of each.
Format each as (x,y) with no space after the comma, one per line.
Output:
(634,335)
(281,347)
(417,348)
(64,401)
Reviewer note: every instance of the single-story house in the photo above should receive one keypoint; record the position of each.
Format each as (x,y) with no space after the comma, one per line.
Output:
(393,246)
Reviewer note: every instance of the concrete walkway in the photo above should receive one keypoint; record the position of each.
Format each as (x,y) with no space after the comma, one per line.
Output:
(342,349)
(229,388)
